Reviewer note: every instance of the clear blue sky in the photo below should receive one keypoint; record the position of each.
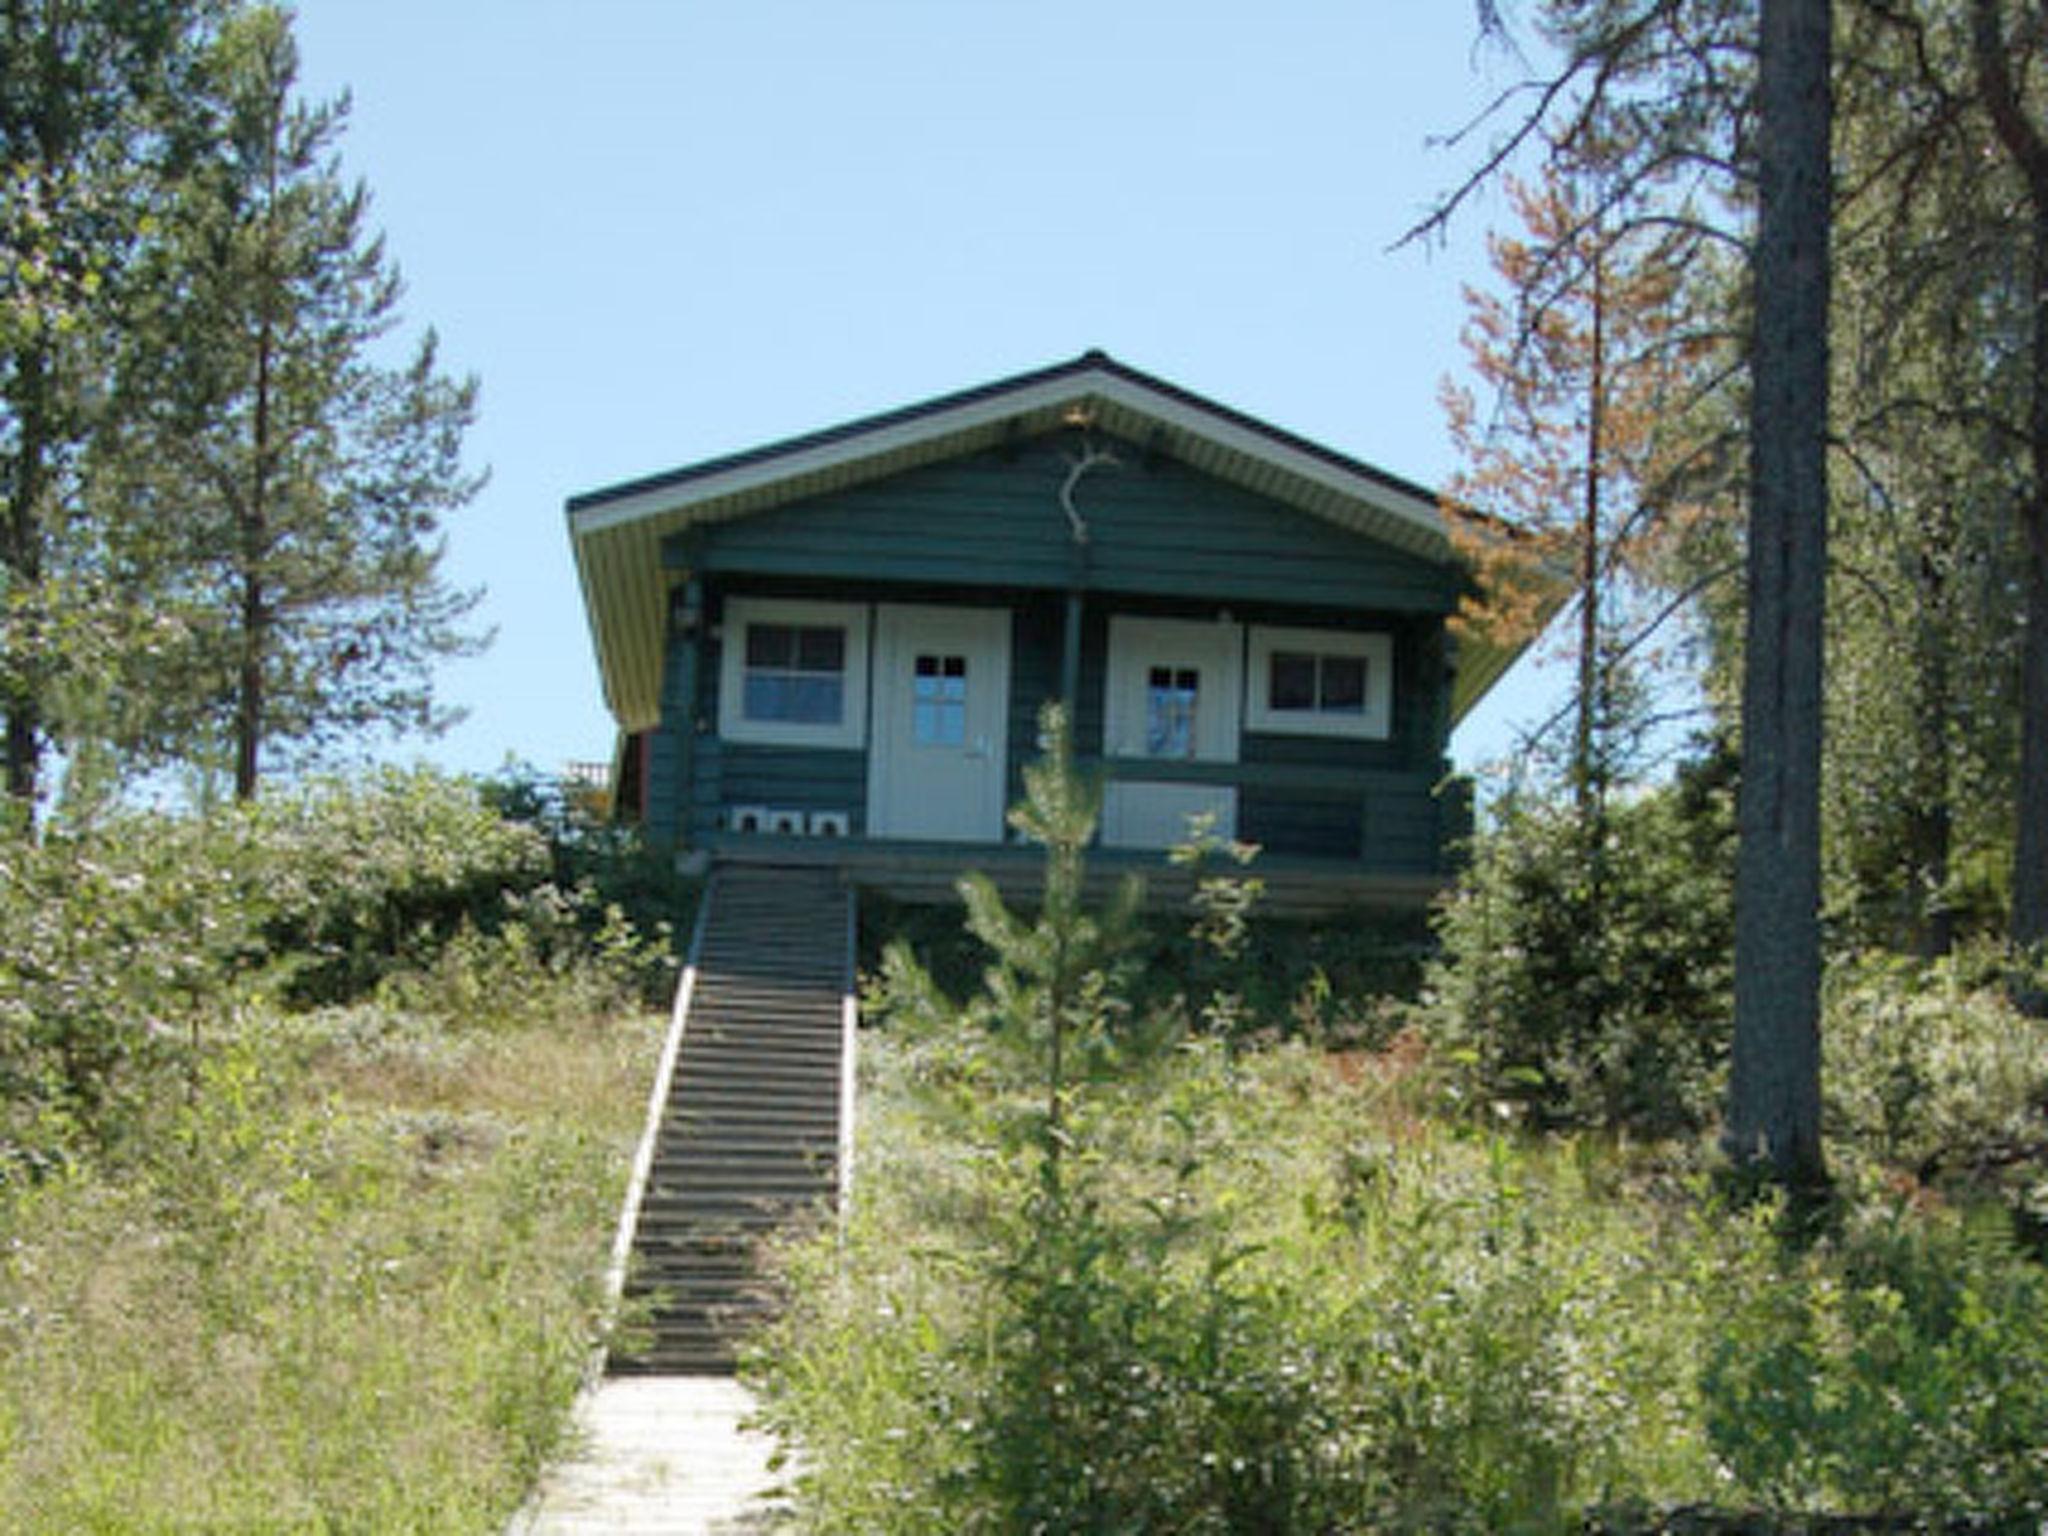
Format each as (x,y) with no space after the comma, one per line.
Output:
(662,230)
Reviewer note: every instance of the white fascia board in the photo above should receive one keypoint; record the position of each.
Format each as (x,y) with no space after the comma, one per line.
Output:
(828,456)
(1236,437)
(1417,513)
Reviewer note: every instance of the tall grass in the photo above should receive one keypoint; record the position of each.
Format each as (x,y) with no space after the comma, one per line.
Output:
(1109,1271)
(351,1290)
(1277,1300)
(316,1123)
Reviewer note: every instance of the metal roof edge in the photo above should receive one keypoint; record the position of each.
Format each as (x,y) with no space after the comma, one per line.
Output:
(808,442)
(593,511)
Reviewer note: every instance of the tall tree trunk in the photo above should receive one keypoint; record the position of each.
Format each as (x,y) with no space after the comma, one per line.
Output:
(253,515)
(1930,818)
(1588,777)
(24,565)
(2029,930)
(2025,143)
(1774,1091)
(254,520)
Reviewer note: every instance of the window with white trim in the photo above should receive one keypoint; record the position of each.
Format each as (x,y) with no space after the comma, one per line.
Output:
(1320,682)
(793,673)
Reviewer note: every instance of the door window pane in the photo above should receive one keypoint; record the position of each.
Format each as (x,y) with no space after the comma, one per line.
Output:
(938,693)
(1171,698)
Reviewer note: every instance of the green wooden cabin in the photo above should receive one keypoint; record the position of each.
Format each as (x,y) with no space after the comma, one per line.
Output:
(835,649)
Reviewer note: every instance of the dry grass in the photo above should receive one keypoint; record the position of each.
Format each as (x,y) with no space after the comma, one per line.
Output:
(352,1290)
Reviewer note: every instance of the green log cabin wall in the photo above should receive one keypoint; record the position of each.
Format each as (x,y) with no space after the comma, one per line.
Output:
(1163,540)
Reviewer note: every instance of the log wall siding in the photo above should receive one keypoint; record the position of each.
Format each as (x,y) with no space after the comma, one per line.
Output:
(1162,541)
(1154,526)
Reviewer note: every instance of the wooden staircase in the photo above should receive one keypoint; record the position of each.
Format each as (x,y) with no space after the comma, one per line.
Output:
(747,1134)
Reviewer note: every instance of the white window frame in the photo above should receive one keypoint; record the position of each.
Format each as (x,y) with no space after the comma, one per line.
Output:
(1373,723)
(850,730)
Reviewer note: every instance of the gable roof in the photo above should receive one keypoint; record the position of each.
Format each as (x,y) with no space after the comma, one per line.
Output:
(617,532)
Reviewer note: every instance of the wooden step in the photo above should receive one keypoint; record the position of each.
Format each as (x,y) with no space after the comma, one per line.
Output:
(749,1140)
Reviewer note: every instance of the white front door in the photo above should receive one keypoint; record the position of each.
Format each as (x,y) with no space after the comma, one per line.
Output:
(936,769)
(1175,691)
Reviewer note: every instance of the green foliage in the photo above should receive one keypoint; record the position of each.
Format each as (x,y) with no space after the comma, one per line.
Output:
(1590,986)
(116,938)
(265,1266)
(1902,1372)
(330,1294)
(133,937)
(87,100)
(620,883)
(1264,1299)
(1244,1312)
(1934,1076)
(359,878)
(1338,981)
(298,480)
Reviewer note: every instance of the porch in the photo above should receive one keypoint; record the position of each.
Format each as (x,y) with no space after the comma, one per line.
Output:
(924,872)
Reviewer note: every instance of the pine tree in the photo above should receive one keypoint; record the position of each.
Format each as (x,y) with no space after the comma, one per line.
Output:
(1671,106)
(88,98)
(301,480)
(1584,356)
(1774,1071)
(2001,49)
(1051,986)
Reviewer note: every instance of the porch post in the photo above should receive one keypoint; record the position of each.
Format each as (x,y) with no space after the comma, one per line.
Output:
(1070,650)
(686,621)
(1070,656)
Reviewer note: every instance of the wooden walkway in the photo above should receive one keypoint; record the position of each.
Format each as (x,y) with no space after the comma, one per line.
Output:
(749,1139)
(661,1456)
(749,1126)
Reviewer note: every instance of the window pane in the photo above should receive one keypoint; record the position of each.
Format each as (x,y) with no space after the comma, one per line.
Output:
(940,723)
(1343,685)
(793,698)
(770,645)
(1291,681)
(767,696)
(814,700)
(938,714)
(821,649)
(1170,698)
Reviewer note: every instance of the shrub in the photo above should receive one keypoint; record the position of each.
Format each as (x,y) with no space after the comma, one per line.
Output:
(126,936)
(359,878)
(1155,1287)
(1901,1372)
(1929,1065)
(1591,986)
(618,877)
(1240,1312)
(1935,1076)
(117,938)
